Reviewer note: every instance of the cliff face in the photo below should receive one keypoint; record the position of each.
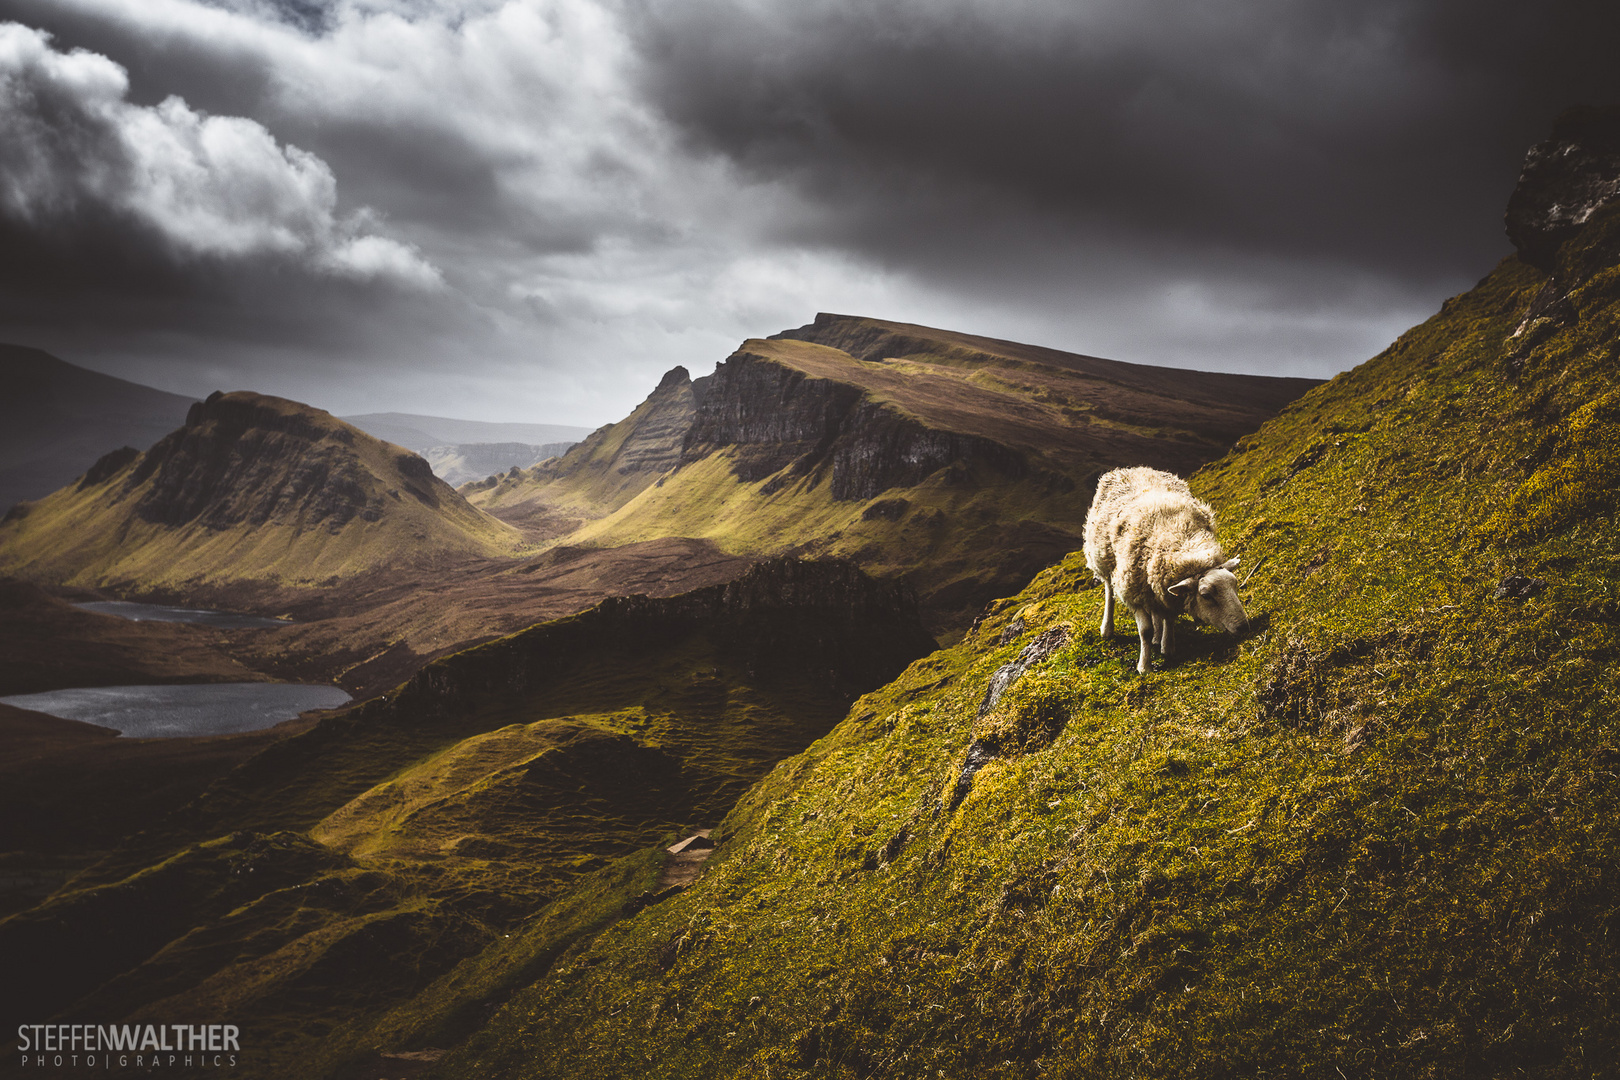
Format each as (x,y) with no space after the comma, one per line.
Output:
(242,459)
(772,416)
(960,463)
(1567,178)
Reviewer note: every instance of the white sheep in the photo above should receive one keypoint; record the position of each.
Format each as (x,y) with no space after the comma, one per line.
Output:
(1152,543)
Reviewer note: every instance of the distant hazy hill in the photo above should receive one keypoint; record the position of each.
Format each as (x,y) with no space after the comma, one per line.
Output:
(963,464)
(460,463)
(423,433)
(251,489)
(57,419)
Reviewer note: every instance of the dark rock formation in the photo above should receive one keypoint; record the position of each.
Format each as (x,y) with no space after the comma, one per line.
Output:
(773,416)
(1518,587)
(660,432)
(108,465)
(246,459)
(989,745)
(770,414)
(1566,179)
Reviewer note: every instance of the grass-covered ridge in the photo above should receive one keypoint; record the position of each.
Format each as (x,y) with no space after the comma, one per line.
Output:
(1376,838)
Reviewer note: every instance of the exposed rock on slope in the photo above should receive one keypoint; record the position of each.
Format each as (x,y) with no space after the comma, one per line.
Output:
(1566,179)
(251,489)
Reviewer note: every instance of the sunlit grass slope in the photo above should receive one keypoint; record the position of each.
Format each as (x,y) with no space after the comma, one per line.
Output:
(1375,839)
(251,489)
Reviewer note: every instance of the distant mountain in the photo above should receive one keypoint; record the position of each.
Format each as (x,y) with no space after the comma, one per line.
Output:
(57,419)
(461,463)
(251,489)
(963,464)
(423,433)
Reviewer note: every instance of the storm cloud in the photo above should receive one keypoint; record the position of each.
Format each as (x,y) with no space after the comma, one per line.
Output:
(527,209)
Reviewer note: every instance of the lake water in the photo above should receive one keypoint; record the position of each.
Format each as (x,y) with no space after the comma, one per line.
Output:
(126,609)
(145,712)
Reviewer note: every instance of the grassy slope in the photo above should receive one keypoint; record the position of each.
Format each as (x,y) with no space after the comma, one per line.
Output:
(1376,839)
(92,534)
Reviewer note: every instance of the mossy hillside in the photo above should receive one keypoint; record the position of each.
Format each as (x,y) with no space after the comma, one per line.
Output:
(1374,838)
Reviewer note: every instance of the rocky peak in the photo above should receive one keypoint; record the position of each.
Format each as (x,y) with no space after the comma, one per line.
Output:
(245,458)
(1566,179)
(659,425)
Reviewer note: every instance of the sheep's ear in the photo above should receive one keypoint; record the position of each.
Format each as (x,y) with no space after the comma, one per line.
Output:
(1231,563)
(1181,587)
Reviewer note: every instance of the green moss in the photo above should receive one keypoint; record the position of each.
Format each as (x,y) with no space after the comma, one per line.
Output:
(1579,481)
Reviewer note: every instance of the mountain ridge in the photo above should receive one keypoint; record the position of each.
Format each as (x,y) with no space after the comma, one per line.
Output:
(960,470)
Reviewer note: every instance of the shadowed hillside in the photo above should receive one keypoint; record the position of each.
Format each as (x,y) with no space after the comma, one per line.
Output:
(344,868)
(1373,839)
(57,419)
(960,464)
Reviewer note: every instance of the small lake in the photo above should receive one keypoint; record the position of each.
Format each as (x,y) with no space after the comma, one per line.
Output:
(162,712)
(126,609)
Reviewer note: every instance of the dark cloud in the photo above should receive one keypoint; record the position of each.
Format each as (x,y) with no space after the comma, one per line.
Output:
(528,209)
(1381,134)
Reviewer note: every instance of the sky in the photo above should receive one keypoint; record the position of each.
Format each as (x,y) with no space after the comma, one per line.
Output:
(528,210)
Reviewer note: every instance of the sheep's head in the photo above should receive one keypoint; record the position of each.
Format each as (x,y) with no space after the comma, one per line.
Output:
(1212,597)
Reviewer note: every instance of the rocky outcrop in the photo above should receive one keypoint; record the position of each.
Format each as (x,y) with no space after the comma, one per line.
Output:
(247,459)
(1566,179)
(772,416)
(659,435)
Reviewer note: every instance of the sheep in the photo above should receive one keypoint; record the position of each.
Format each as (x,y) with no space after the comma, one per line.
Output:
(1149,541)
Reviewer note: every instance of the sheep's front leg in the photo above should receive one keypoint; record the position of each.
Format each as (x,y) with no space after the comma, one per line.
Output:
(1144,632)
(1167,636)
(1107,629)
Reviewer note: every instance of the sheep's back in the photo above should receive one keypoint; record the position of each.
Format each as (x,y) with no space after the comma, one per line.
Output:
(1142,528)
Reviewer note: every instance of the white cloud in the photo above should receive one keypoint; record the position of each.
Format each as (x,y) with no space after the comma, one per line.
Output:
(210,186)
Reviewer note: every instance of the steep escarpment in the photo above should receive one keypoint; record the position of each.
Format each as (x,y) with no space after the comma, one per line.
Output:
(250,489)
(1373,838)
(771,417)
(961,465)
(341,870)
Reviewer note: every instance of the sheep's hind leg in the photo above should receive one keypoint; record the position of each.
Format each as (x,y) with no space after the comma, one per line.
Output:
(1144,631)
(1107,628)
